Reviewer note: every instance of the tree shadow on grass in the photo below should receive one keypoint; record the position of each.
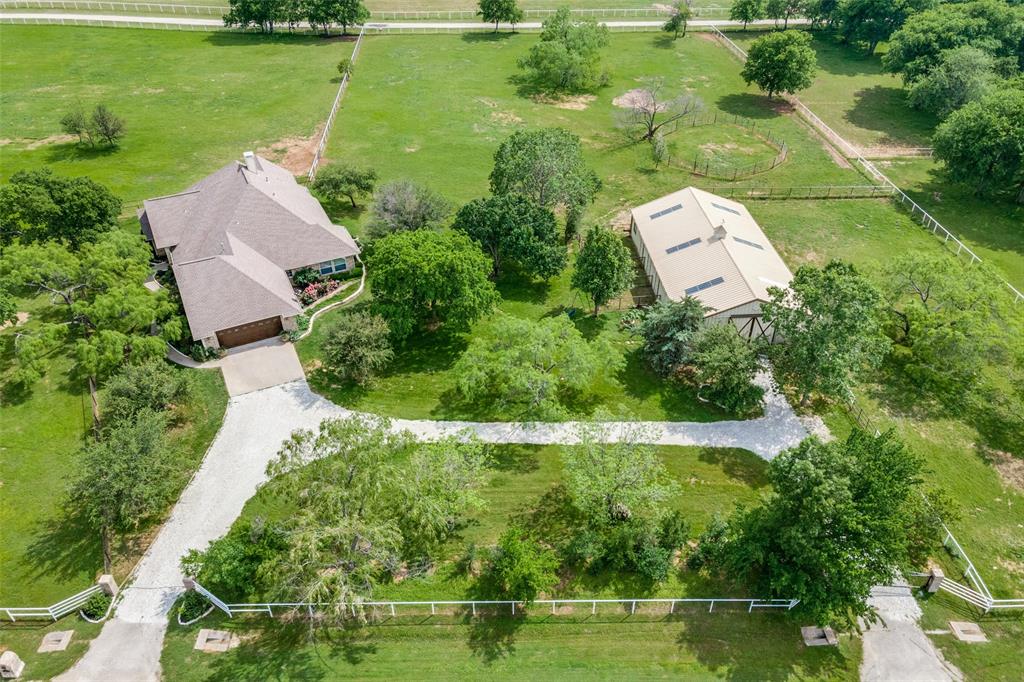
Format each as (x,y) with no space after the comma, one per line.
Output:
(519,459)
(73,151)
(885,109)
(516,286)
(64,547)
(751,105)
(663,41)
(475,37)
(739,465)
(248,39)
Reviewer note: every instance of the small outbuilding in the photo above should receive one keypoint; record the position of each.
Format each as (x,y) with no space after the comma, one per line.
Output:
(694,243)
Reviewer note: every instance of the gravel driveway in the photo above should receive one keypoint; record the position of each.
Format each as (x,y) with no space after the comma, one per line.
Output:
(255,424)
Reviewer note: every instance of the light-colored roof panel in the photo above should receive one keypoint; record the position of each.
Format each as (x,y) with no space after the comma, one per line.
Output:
(726,232)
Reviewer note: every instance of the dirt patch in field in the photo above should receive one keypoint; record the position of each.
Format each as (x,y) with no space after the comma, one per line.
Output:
(4,141)
(638,98)
(52,139)
(294,153)
(573,102)
(1010,468)
(147,91)
(1012,566)
(622,220)
(487,102)
(412,149)
(505,117)
(20,319)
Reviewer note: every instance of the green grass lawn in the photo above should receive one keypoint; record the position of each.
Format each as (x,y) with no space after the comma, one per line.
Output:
(192,102)
(854,96)
(997,659)
(695,645)
(24,638)
(47,554)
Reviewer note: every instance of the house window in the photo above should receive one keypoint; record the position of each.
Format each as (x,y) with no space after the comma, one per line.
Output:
(332,266)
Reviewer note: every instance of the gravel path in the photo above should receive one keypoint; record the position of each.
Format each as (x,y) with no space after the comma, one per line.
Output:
(254,426)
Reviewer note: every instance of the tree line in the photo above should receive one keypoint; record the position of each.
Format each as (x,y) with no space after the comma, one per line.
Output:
(265,15)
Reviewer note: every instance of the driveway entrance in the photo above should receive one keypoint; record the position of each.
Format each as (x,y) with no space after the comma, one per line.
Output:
(260,365)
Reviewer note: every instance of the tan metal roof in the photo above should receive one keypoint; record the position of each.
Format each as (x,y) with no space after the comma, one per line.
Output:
(719,239)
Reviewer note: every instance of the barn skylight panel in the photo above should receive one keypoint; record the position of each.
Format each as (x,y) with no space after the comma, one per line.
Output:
(726,208)
(666,211)
(704,285)
(748,243)
(684,245)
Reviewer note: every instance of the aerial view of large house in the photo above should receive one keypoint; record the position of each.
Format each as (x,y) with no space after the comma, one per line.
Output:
(694,243)
(234,239)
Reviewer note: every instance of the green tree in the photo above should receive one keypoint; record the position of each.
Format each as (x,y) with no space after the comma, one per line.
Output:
(366,498)
(782,61)
(676,23)
(342,181)
(260,13)
(8,307)
(75,123)
(830,323)
(842,516)
(946,320)
(105,307)
(824,12)
(323,13)
(151,386)
(963,75)
(982,144)
(106,125)
(532,369)
(403,205)
(989,25)
(668,329)
(499,11)
(428,278)
(747,11)
(40,205)
(345,69)
(725,365)
(615,479)
(234,566)
(873,21)
(784,9)
(604,267)
(357,346)
(513,227)
(520,567)
(567,57)
(546,166)
(122,479)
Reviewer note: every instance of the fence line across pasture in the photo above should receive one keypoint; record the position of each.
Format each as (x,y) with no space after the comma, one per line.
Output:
(916,211)
(342,87)
(782,193)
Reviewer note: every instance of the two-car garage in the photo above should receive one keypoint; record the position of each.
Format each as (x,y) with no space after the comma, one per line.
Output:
(248,333)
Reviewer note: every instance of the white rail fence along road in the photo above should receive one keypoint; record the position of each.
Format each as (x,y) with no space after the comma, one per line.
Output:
(376,610)
(925,218)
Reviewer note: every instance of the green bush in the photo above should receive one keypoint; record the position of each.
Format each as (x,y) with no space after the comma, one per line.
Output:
(152,385)
(232,567)
(192,605)
(304,277)
(97,605)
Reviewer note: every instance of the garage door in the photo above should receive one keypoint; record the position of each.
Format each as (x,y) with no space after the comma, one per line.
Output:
(247,333)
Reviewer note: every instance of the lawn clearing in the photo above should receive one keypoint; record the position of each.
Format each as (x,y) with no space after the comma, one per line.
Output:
(997,659)
(856,98)
(46,554)
(696,645)
(192,102)
(24,637)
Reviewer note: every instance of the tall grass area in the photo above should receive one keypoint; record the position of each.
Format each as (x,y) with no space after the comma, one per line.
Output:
(192,102)
(48,552)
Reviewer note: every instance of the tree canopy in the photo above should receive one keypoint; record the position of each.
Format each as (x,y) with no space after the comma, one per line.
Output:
(873,21)
(668,329)
(676,23)
(724,367)
(567,57)
(547,167)
(107,310)
(782,61)
(429,278)
(982,144)
(841,517)
(520,567)
(339,180)
(357,346)
(403,205)
(533,370)
(367,499)
(964,74)
(512,227)
(747,11)
(989,25)
(830,322)
(604,266)
(40,205)
(497,11)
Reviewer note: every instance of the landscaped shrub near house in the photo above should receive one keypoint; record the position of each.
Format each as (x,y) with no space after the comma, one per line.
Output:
(304,277)
(314,292)
(192,605)
(152,385)
(201,353)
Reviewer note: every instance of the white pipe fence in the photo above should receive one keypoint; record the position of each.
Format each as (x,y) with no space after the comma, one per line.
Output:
(478,607)
(53,612)
(342,87)
(980,595)
(100,6)
(925,218)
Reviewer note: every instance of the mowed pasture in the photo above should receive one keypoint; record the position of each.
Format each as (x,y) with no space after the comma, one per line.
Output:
(192,102)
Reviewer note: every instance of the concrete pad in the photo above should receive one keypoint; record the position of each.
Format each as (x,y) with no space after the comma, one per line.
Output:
(260,365)
(215,641)
(967,632)
(815,636)
(55,641)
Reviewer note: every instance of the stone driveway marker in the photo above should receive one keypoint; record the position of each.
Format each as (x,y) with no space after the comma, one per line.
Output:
(55,641)
(967,632)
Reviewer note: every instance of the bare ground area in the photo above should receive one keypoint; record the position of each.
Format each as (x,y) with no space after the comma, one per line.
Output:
(574,102)
(1010,468)
(638,98)
(294,153)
